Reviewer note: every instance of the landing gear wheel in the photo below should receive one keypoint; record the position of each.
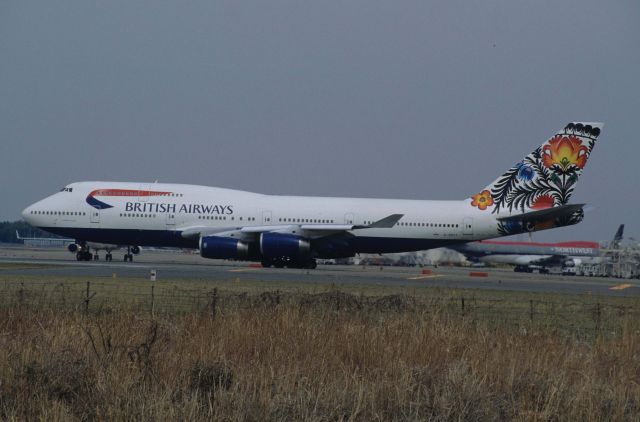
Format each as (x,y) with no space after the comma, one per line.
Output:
(79,256)
(96,257)
(266,263)
(108,257)
(312,264)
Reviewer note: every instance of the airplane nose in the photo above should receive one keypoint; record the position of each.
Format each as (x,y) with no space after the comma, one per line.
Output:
(25,213)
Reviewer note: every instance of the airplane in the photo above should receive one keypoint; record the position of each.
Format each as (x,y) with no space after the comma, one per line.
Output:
(527,256)
(294,231)
(86,254)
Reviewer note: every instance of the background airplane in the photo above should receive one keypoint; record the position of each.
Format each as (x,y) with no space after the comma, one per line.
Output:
(293,231)
(529,256)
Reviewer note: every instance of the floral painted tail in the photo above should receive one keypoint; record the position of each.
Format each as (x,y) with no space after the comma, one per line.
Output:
(543,179)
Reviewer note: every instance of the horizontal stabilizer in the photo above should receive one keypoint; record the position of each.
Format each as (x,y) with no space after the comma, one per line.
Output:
(545,214)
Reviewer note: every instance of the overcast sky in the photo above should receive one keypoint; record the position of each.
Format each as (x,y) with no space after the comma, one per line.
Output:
(396,99)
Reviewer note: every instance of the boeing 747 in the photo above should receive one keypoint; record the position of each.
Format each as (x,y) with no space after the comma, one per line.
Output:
(293,231)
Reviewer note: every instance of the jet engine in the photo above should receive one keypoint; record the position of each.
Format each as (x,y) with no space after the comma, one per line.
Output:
(73,247)
(217,247)
(573,262)
(278,245)
(135,250)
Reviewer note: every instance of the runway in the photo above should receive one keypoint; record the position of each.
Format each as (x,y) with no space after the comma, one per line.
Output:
(180,266)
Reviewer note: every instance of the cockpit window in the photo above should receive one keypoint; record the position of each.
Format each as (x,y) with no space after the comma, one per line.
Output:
(66,190)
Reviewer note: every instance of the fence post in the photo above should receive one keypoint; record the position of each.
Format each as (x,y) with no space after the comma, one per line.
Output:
(21,293)
(462,304)
(152,302)
(531,310)
(214,300)
(86,299)
(598,316)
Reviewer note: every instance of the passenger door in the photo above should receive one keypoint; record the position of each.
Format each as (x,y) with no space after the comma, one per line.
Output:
(95,216)
(467,226)
(266,217)
(170,221)
(349,218)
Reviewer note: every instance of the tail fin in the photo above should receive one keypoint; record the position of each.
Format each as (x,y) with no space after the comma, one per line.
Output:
(615,243)
(546,177)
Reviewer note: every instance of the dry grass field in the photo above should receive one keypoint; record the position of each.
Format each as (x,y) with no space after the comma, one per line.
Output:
(226,350)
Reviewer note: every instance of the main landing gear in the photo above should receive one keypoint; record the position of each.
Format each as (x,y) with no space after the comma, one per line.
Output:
(84,256)
(128,256)
(88,256)
(289,263)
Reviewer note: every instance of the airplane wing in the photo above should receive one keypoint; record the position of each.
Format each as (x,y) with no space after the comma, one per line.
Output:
(542,260)
(551,260)
(545,214)
(307,230)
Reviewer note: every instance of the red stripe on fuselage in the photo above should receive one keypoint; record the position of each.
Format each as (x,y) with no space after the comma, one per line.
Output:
(126,192)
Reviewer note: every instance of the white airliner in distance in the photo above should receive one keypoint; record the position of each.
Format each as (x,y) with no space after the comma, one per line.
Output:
(293,231)
(527,256)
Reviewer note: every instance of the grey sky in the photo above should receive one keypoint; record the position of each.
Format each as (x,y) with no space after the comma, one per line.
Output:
(400,99)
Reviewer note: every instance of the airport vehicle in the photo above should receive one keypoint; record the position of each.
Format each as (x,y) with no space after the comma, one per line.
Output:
(293,231)
(84,251)
(530,256)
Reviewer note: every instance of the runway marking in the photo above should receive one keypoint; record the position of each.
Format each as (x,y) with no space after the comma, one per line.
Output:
(621,286)
(242,270)
(422,277)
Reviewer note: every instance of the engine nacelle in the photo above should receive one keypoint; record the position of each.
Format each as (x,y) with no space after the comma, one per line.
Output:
(279,245)
(73,247)
(217,247)
(572,262)
(135,250)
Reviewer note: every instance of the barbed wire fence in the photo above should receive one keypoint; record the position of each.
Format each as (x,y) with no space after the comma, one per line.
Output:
(586,316)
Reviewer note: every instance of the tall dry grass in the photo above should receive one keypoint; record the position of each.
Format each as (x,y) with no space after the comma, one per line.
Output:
(282,360)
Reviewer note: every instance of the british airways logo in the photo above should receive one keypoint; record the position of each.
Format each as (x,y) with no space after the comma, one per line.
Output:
(156,207)
(97,204)
(179,208)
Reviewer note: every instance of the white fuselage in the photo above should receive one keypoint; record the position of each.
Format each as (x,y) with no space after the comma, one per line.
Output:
(156,214)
